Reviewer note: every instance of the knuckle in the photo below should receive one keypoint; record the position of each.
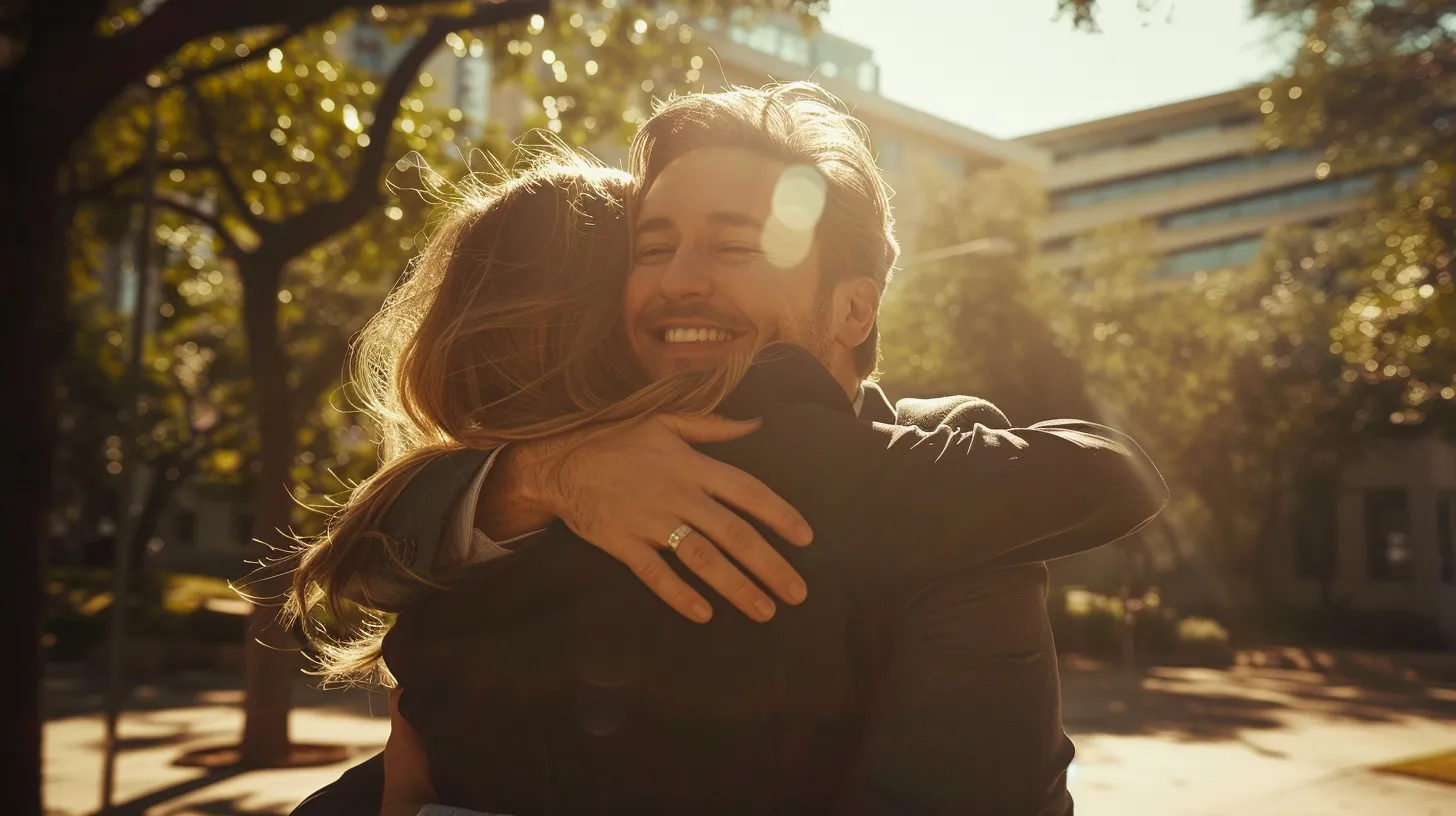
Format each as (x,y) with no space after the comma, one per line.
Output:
(739,536)
(751,489)
(695,552)
(651,570)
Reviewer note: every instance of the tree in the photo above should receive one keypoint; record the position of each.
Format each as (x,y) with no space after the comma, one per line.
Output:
(965,324)
(1225,379)
(1369,89)
(194,396)
(262,158)
(61,65)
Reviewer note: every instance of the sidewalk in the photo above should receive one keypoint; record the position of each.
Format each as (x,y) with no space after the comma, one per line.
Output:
(1245,742)
(1261,742)
(165,723)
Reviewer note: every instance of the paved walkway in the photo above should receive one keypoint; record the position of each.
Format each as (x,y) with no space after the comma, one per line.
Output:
(1251,742)
(1255,742)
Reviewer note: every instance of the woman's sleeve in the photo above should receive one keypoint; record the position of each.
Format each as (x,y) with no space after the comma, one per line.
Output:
(903,503)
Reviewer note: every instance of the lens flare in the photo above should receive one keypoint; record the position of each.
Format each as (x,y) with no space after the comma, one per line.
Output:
(798,203)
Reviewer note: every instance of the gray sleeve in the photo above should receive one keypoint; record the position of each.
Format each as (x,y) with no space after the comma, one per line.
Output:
(417,521)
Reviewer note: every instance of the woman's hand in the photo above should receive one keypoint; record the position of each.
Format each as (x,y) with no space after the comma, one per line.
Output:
(626,490)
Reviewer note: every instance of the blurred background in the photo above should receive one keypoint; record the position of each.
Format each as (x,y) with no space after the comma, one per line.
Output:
(1224,227)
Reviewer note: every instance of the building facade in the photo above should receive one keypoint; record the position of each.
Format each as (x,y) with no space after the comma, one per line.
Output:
(1379,539)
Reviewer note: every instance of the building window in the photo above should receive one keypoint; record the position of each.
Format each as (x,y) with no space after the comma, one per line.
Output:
(1387,535)
(829,69)
(185,523)
(869,77)
(953,167)
(1445,547)
(794,48)
(1193,174)
(1271,202)
(243,527)
(1211,256)
(764,39)
(1316,537)
(374,51)
(890,154)
(473,94)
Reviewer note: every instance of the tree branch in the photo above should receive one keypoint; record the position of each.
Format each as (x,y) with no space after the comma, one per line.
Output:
(319,221)
(213,222)
(133,171)
(219,165)
(69,74)
(190,78)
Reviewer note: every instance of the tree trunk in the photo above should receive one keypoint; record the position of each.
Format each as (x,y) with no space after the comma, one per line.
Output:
(271,658)
(34,337)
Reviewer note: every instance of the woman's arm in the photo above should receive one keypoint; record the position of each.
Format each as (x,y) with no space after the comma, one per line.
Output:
(407,785)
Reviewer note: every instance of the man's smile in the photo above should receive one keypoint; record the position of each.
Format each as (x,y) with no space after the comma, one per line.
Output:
(676,335)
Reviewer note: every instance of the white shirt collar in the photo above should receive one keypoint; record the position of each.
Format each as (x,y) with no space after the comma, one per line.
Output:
(859,399)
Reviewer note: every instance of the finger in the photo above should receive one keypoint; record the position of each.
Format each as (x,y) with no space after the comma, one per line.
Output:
(649,567)
(700,430)
(739,490)
(701,556)
(742,542)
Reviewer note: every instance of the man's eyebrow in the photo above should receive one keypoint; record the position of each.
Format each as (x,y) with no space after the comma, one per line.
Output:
(735,219)
(727,218)
(658,224)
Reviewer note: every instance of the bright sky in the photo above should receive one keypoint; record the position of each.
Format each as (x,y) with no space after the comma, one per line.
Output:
(1004,68)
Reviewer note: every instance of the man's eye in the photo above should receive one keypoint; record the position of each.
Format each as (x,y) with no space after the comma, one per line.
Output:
(738,249)
(654,253)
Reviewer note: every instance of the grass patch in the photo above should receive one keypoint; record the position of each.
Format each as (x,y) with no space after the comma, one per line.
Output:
(1434,768)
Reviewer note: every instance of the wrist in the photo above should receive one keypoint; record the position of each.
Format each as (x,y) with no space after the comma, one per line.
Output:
(514,500)
(529,466)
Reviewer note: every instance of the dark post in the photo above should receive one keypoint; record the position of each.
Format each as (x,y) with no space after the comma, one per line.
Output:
(116,689)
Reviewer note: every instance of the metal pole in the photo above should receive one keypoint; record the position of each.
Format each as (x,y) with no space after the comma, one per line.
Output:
(116,689)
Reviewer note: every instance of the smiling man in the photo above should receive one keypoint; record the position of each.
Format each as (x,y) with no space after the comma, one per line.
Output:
(762,219)
(716,272)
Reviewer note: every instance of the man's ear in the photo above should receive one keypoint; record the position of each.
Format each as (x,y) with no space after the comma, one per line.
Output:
(856,304)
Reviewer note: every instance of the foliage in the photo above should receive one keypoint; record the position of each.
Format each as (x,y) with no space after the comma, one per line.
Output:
(79,603)
(1369,89)
(1092,625)
(1227,379)
(967,324)
(193,393)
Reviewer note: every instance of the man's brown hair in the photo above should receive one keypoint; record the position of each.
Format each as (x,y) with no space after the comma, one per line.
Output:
(797,124)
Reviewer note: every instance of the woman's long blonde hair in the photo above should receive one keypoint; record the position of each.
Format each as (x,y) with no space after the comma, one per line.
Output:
(507,327)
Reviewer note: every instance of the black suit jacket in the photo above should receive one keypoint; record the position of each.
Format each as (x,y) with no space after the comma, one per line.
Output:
(918,678)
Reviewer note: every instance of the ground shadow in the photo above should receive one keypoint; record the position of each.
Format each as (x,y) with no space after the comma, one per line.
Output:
(140,805)
(1205,705)
(79,696)
(228,807)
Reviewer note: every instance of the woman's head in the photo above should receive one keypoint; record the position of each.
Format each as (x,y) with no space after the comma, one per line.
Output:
(506,328)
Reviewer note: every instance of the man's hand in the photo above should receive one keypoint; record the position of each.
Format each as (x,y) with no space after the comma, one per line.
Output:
(627,489)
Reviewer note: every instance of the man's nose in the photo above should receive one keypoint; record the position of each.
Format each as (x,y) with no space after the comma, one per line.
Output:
(688,276)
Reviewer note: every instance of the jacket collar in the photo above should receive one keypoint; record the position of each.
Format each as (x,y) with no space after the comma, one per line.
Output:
(784,373)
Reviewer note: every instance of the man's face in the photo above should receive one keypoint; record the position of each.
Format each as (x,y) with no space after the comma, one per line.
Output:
(725,261)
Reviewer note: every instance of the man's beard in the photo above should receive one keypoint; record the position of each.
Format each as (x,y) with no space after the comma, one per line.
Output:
(817,338)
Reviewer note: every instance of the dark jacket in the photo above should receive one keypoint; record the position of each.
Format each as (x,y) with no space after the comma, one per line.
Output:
(918,678)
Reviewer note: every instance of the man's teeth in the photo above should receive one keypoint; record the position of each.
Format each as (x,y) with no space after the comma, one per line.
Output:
(696,335)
